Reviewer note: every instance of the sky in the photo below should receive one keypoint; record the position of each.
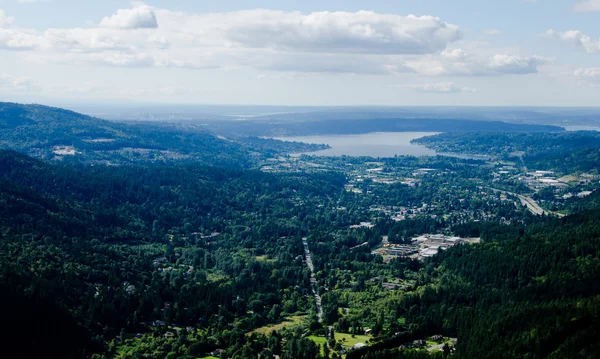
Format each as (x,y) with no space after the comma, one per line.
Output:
(313,53)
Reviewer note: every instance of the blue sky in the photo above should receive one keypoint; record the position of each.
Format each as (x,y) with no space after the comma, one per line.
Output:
(462,52)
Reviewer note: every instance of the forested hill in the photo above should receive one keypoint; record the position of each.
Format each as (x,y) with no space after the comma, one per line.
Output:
(58,134)
(289,125)
(100,250)
(564,152)
(53,133)
(528,291)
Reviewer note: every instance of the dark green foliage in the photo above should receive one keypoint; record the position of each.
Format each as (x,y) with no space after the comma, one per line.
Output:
(40,131)
(564,152)
(122,246)
(188,257)
(533,294)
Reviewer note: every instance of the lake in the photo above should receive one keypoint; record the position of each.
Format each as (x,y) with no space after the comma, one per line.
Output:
(380,144)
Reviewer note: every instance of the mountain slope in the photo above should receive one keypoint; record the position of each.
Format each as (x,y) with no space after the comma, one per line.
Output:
(53,133)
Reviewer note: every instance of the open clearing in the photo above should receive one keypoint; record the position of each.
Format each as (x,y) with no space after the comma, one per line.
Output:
(287,322)
(349,341)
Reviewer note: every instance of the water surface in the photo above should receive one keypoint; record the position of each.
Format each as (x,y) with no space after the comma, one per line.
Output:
(379,144)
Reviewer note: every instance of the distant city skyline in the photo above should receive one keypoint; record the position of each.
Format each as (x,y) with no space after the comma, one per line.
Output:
(314,53)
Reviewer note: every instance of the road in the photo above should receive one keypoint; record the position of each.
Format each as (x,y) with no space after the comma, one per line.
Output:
(313,280)
(530,203)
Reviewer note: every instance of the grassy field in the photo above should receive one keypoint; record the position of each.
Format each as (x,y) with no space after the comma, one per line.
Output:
(209,357)
(569,178)
(349,341)
(287,322)
(264,258)
(319,341)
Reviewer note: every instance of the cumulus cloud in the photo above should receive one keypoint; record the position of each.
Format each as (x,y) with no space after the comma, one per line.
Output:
(442,88)
(140,17)
(588,76)
(362,42)
(5,20)
(576,38)
(18,40)
(458,62)
(587,6)
(360,32)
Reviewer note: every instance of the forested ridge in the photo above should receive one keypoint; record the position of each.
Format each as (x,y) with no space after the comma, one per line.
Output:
(534,294)
(562,151)
(77,234)
(57,134)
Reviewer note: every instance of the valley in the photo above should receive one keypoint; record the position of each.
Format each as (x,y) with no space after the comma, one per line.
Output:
(203,245)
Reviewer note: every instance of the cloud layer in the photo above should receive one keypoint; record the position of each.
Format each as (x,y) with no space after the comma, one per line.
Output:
(139,17)
(5,20)
(442,88)
(360,32)
(588,76)
(21,84)
(587,6)
(363,42)
(576,38)
(458,62)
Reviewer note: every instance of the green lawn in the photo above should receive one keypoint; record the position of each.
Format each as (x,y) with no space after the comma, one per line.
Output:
(350,342)
(320,341)
(287,322)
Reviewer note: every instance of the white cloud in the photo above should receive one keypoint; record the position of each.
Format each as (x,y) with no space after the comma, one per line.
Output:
(86,40)
(5,20)
(139,17)
(12,39)
(442,88)
(588,76)
(361,42)
(325,63)
(21,84)
(587,6)
(339,32)
(457,62)
(576,38)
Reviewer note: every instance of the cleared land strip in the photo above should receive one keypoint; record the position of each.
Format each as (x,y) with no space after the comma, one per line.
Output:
(313,280)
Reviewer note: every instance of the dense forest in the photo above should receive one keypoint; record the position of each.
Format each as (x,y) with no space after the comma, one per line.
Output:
(565,151)
(117,247)
(200,254)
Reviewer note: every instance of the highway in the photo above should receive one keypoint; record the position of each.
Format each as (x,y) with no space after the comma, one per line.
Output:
(530,203)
